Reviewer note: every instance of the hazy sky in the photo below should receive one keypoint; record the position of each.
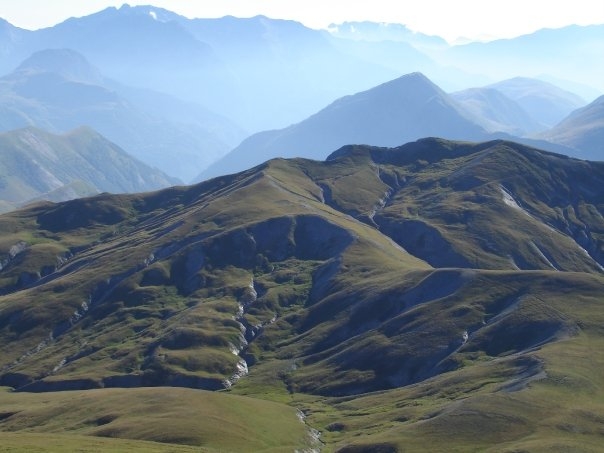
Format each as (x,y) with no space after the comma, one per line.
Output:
(450,19)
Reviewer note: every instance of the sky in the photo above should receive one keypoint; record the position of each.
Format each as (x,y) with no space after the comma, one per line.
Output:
(450,19)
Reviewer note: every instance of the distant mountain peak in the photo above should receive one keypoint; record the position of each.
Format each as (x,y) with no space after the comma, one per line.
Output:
(419,76)
(415,87)
(544,101)
(158,14)
(395,112)
(66,62)
(520,81)
(384,31)
(411,81)
(137,13)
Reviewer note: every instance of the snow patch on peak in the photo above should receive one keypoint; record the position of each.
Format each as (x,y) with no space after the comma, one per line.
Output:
(153,14)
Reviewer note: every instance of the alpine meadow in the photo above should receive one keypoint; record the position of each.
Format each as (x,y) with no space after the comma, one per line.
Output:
(243,234)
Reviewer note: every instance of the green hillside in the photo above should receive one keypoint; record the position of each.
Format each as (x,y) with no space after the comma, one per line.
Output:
(441,295)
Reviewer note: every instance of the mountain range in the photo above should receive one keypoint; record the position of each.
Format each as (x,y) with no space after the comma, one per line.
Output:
(472,270)
(520,106)
(496,112)
(59,90)
(248,80)
(543,101)
(409,108)
(387,263)
(264,74)
(395,112)
(552,52)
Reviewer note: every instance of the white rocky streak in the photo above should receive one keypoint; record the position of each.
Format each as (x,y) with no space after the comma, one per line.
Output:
(589,256)
(80,312)
(60,365)
(149,260)
(513,263)
(380,204)
(536,248)
(313,434)
(249,296)
(241,370)
(15,250)
(40,346)
(19,247)
(509,200)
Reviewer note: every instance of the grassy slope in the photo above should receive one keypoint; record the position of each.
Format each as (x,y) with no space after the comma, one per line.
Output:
(333,293)
(215,422)
(147,309)
(446,203)
(492,403)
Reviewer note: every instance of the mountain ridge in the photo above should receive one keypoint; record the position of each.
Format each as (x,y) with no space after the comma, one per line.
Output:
(400,110)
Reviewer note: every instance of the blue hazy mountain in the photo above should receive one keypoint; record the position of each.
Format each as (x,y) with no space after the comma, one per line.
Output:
(381,31)
(586,92)
(395,112)
(543,101)
(265,73)
(285,70)
(244,69)
(10,40)
(496,112)
(59,90)
(583,130)
(139,49)
(398,111)
(573,53)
